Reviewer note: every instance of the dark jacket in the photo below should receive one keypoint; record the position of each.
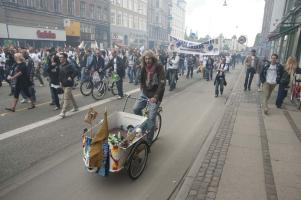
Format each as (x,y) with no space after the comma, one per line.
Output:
(53,72)
(157,86)
(285,79)
(66,72)
(120,66)
(279,70)
(100,63)
(30,69)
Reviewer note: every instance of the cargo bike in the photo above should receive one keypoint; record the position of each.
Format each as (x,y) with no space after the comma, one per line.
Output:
(127,146)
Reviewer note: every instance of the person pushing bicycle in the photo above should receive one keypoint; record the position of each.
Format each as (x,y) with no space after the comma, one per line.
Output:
(152,87)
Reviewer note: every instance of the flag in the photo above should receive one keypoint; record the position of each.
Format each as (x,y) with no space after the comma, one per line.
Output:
(90,116)
(96,151)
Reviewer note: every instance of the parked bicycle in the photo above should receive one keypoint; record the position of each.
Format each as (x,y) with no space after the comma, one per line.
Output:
(107,83)
(296,89)
(158,120)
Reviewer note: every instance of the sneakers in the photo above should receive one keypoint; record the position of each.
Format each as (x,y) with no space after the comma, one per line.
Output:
(23,101)
(119,97)
(259,90)
(62,115)
(56,108)
(74,110)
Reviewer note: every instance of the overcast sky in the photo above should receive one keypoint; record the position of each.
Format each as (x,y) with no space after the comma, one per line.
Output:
(239,17)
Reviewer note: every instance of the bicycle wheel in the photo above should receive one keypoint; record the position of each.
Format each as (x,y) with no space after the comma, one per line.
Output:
(137,161)
(114,88)
(99,91)
(157,127)
(86,87)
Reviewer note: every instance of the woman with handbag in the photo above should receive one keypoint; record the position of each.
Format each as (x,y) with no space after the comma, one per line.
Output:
(220,80)
(53,71)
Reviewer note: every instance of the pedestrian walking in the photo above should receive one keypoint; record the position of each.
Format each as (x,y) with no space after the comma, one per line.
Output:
(220,80)
(290,68)
(53,72)
(190,65)
(270,76)
(252,66)
(173,66)
(22,82)
(66,78)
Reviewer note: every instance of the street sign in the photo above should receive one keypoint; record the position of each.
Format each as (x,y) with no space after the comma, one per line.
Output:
(242,39)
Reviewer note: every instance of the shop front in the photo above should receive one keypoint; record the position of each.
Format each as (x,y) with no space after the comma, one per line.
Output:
(33,37)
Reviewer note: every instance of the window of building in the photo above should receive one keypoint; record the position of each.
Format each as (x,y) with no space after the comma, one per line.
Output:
(118,3)
(135,24)
(125,3)
(119,18)
(82,9)
(57,5)
(131,4)
(99,13)
(157,4)
(125,20)
(131,21)
(92,11)
(113,16)
(43,4)
(105,14)
(71,7)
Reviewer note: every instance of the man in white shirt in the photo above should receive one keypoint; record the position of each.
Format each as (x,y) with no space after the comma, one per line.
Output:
(173,66)
(270,77)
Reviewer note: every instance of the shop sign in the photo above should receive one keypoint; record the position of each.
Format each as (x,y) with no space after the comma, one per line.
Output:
(242,39)
(46,34)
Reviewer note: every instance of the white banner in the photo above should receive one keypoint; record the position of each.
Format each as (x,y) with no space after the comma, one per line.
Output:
(188,47)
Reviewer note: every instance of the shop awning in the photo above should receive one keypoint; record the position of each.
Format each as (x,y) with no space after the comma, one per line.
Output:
(281,31)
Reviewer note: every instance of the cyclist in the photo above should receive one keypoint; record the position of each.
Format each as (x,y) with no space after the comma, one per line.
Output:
(152,86)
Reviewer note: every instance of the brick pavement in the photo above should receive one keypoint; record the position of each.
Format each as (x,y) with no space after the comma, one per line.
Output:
(256,180)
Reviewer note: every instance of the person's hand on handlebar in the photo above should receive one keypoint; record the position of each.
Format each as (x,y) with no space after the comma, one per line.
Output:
(153,100)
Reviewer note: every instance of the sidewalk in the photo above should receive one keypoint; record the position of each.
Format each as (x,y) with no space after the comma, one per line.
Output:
(250,156)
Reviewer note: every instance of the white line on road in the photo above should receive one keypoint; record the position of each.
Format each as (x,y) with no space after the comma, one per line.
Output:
(49,120)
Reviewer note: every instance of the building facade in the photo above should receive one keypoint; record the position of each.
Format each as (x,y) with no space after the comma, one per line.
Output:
(177,21)
(284,37)
(129,23)
(158,23)
(84,20)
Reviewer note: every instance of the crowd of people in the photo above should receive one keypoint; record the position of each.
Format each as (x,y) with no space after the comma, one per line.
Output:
(64,67)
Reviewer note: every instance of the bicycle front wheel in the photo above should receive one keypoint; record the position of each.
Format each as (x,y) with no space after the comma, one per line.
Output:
(114,88)
(86,87)
(158,124)
(99,92)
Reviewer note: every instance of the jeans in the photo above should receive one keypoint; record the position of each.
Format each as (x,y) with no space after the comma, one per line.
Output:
(219,83)
(130,74)
(119,85)
(140,104)
(258,81)
(249,77)
(137,72)
(282,93)
(181,68)
(56,97)
(189,71)
(172,78)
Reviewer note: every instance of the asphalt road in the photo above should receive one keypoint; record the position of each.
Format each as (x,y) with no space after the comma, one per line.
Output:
(45,162)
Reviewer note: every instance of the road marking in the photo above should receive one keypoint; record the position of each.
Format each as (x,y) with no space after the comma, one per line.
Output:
(37,105)
(49,120)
